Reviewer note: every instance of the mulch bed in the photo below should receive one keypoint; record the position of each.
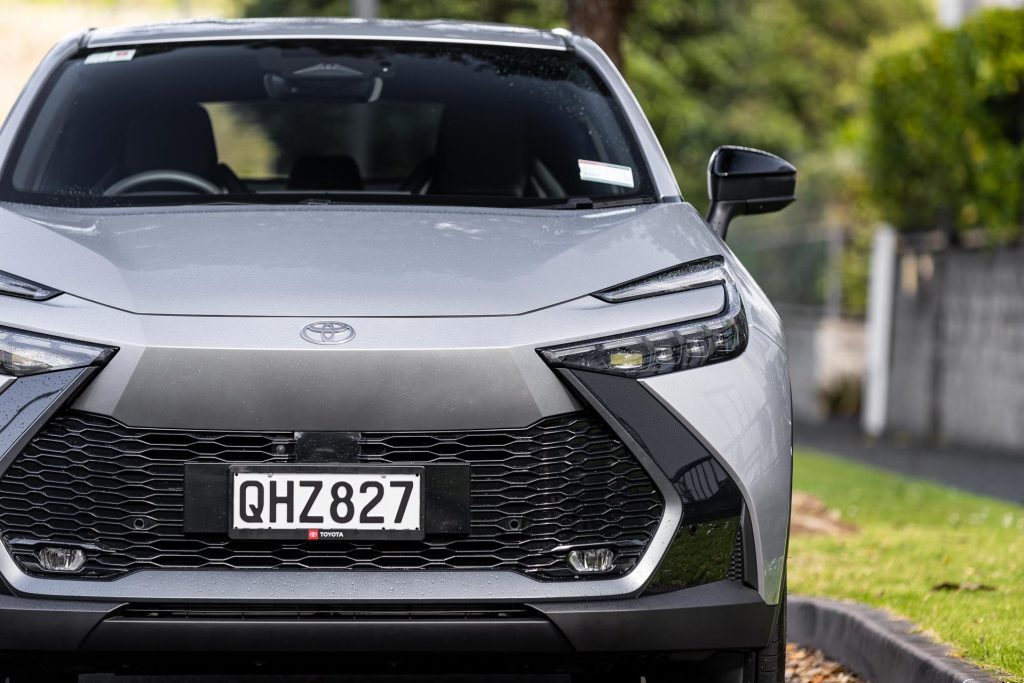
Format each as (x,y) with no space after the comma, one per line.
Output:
(804,665)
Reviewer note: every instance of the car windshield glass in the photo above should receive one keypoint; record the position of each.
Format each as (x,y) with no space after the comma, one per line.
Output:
(325,121)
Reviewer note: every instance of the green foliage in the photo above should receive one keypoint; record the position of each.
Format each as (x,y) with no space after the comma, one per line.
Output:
(780,75)
(539,13)
(946,116)
(295,8)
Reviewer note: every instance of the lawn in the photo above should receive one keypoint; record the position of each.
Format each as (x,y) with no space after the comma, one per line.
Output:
(912,536)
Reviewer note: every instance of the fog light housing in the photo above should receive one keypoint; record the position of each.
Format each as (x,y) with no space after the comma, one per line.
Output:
(63,560)
(592,560)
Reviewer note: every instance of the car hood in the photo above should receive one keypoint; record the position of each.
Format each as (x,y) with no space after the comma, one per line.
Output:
(343,262)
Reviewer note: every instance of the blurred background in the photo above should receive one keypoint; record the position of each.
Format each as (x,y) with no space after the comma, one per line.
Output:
(906,120)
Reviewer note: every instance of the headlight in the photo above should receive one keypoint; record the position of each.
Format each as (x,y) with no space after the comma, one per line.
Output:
(25,289)
(671,348)
(27,353)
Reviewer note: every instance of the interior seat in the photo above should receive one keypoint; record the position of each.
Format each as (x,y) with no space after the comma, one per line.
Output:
(178,140)
(325,173)
(481,153)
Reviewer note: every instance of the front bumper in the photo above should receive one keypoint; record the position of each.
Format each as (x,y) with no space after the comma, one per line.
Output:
(690,482)
(163,364)
(712,617)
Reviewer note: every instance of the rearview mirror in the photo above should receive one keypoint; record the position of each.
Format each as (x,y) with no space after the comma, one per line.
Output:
(747,181)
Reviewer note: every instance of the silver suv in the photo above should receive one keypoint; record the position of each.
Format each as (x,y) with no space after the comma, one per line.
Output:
(387,339)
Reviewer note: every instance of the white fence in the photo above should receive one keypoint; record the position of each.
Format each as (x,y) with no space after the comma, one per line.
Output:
(956,366)
(958,351)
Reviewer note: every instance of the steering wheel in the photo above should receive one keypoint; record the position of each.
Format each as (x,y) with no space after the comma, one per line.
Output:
(193,181)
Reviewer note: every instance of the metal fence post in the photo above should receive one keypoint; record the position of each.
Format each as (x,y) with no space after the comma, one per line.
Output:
(364,9)
(881,294)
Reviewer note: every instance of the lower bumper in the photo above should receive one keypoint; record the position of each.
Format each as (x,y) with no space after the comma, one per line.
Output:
(717,616)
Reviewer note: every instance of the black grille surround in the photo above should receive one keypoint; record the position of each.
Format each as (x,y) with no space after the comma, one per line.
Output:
(88,481)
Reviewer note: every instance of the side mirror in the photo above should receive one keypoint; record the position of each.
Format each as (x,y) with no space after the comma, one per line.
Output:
(747,181)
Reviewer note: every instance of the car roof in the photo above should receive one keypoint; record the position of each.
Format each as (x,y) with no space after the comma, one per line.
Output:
(446,31)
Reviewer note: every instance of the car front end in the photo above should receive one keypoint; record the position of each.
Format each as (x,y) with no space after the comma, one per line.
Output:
(394,430)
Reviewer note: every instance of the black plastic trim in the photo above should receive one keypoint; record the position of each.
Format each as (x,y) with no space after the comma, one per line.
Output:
(749,567)
(29,403)
(368,635)
(714,616)
(711,501)
(679,454)
(206,498)
(717,616)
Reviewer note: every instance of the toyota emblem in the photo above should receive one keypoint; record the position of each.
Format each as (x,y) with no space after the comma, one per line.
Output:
(327,332)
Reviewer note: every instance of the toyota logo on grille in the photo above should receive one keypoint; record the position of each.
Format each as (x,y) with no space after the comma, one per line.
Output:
(327,332)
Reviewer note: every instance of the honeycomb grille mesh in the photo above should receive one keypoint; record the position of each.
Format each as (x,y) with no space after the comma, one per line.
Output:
(735,572)
(93,482)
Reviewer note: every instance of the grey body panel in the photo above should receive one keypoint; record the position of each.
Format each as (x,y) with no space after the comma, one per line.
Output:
(741,411)
(343,262)
(440,30)
(257,373)
(449,305)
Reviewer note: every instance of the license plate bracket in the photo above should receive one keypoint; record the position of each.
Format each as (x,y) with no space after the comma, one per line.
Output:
(312,518)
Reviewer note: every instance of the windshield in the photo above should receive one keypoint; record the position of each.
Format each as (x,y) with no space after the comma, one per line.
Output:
(325,121)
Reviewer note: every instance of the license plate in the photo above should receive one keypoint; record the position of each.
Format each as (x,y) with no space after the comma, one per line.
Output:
(326,502)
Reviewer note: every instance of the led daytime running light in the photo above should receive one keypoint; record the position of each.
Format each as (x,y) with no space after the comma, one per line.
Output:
(27,353)
(11,285)
(694,275)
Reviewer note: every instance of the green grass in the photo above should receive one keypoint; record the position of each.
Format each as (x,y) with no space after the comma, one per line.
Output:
(913,535)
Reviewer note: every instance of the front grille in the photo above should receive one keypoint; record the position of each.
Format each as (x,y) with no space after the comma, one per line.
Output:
(117,491)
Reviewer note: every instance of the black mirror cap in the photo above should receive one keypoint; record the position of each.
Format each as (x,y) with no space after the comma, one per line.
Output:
(742,180)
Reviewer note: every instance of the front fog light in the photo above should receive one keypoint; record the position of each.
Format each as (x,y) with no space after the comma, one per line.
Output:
(26,353)
(64,560)
(592,560)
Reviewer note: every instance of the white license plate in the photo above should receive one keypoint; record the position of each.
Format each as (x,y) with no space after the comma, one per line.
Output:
(326,502)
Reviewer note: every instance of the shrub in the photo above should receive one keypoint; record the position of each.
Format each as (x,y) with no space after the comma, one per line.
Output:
(946,127)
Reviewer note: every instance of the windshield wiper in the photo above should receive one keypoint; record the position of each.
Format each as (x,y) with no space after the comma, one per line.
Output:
(577,203)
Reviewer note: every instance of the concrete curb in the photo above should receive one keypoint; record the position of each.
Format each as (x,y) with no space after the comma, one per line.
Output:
(874,645)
